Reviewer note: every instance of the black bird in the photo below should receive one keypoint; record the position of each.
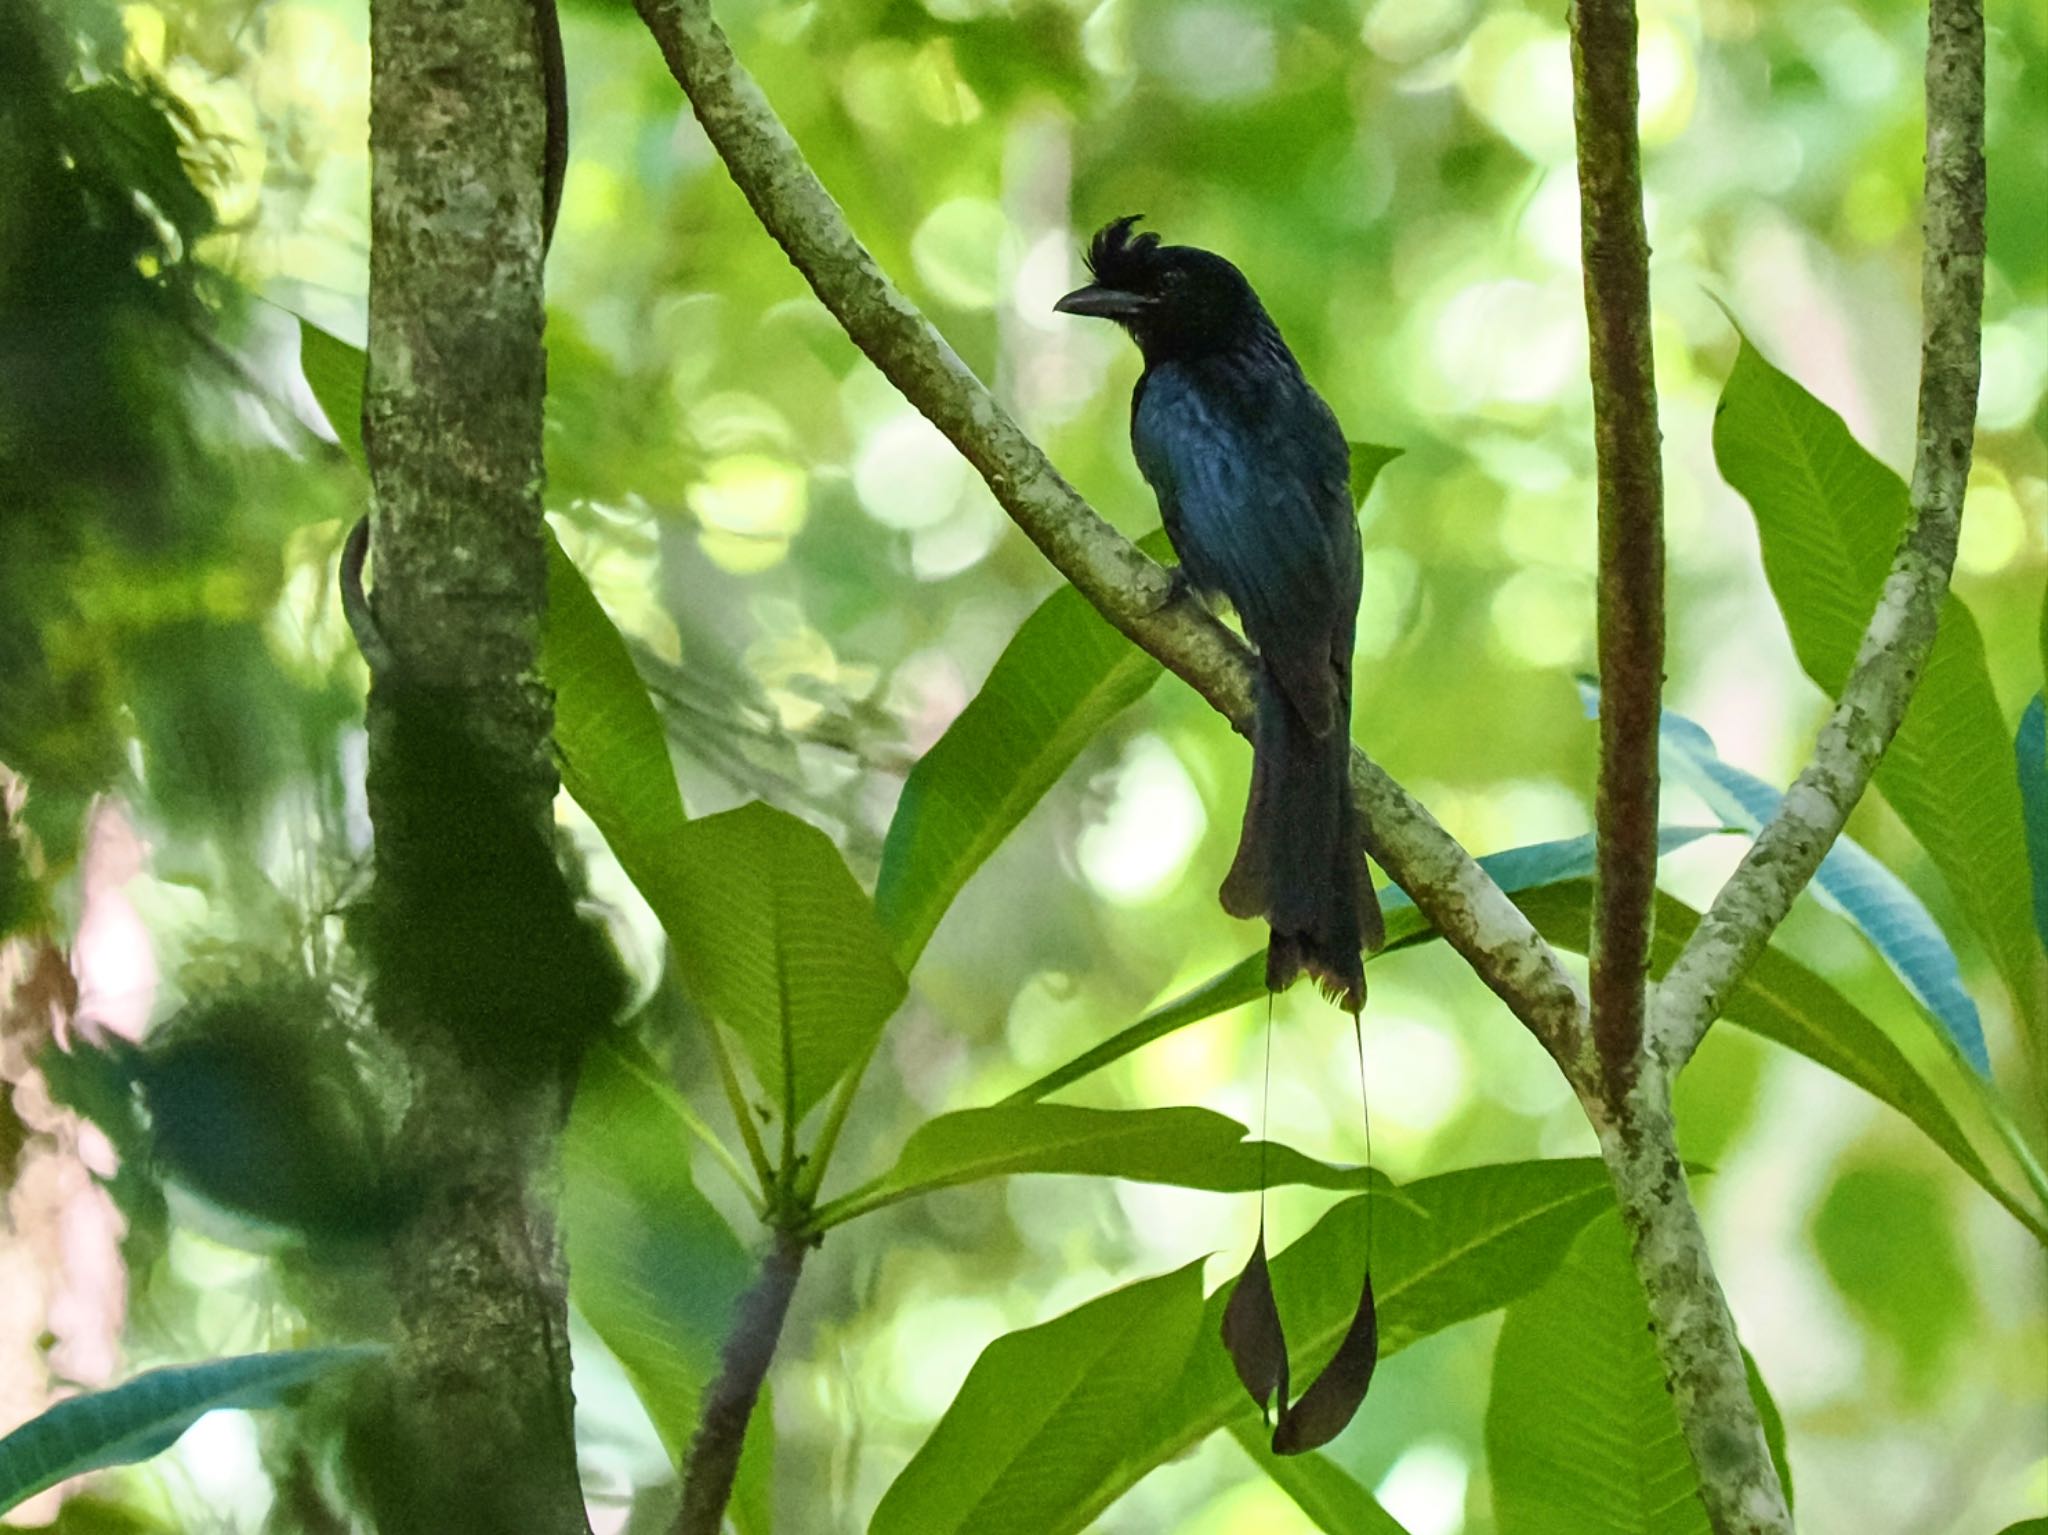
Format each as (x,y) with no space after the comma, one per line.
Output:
(1252,473)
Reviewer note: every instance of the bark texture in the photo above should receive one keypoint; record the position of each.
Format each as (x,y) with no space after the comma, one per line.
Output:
(476,1433)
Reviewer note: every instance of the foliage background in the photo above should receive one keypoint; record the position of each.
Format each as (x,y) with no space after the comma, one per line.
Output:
(820,585)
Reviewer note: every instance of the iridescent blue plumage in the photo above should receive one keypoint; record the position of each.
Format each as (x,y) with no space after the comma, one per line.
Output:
(1252,474)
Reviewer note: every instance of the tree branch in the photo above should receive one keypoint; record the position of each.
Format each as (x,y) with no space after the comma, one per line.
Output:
(1901,633)
(1616,263)
(714,1457)
(1129,589)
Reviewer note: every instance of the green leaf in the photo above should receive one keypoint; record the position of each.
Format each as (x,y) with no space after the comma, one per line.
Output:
(1063,676)
(1783,1000)
(1463,1244)
(1320,1488)
(608,738)
(776,941)
(1367,460)
(1829,516)
(2026,1527)
(1581,1433)
(145,1416)
(654,1270)
(1045,1411)
(1513,869)
(1188,1147)
(334,372)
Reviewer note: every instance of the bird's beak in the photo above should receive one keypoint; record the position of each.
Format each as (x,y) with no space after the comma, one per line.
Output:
(1104,303)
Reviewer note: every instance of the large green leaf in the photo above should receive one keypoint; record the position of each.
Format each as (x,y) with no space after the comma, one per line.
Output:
(1187,1147)
(1044,1412)
(775,940)
(1320,1488)
(1785,1001)
(1513,869)
(1462,1244)
(608,738)
(1829,516)
(654,1270)
(145,1416)
(1581,1434)
(1063,676)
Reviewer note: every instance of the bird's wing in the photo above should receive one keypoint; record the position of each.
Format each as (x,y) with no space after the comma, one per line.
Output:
(1253,486)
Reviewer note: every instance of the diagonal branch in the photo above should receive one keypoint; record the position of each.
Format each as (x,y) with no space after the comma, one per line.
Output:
(1615,257)
(1901,632)
(1129,589)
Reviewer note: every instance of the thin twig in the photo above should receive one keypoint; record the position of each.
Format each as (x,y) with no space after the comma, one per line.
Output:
(1901,634)
(1616,261)
(1129,589)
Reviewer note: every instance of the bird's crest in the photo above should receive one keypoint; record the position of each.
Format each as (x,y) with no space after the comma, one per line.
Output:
(1117,258)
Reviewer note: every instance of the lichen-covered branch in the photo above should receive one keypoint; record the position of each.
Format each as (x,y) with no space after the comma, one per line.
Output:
(1130,590)
(1615,258)
(1695,1335)
(1901,633)
(474,1432)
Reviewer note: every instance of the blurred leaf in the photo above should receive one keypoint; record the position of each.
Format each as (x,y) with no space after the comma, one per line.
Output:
(1045,1412)
(608,738)
(1518,868)
(1367,460)
(334,372)
(1876,901)
(145,1416)
(1828,516)
(776,941)
(654,1270)
(1465,1243)
(2030,747)
(1319,1487)
(1063,676)
(1187,1147)
(1581,1433)
(1783,1000)
(2026,1527)
(1888,1243)
(127,139)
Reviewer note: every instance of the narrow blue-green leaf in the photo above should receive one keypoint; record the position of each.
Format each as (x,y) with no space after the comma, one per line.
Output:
(1850,881)
(1045,1411)
(1581,1434)
(1513,869)
(1828,517)
(1459,1245)
(775,940)
(1320,1488)
(1783,1000)
(2030,748)
(145,1416)
(1063,676)
(654,1270)
(1186,1147)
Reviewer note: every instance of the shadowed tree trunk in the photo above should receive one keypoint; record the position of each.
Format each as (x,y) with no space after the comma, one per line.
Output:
(476,1434)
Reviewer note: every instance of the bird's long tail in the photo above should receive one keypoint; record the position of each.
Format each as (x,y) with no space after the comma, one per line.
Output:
(1298,863)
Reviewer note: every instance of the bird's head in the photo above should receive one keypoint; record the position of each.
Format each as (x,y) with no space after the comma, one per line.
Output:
(1175,300)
